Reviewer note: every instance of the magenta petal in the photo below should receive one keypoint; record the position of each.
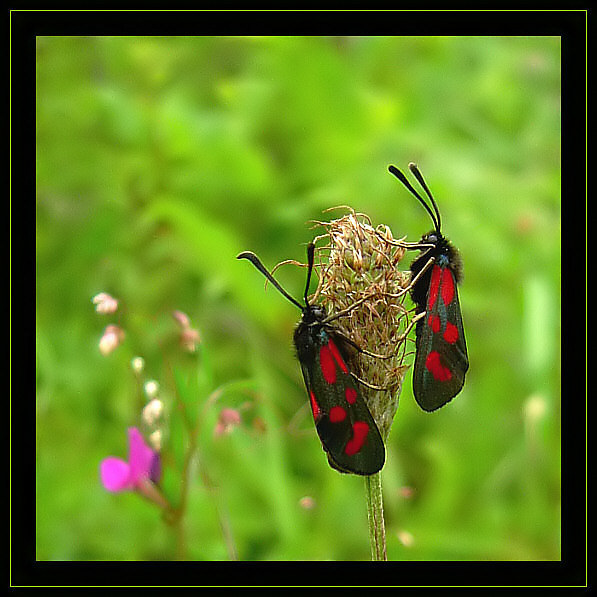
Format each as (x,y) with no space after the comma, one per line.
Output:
(141,456)
(115,474)
(155,471)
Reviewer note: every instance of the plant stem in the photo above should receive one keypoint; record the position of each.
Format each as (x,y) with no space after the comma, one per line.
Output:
(377,529)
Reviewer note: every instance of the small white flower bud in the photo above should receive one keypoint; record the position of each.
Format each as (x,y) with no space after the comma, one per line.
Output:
(155,439)
(151,388)
(535,407)
(152,411)
(406,538)
(137,364)
(112,337)
(104,303)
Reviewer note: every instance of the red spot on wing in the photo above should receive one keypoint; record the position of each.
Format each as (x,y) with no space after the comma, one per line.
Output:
(314,406)
(326,362)
(434,286)
(351,395)
(434,366)
(434,323)
(336,354)
(447,286)
(337,414)
(451,333)
(359,433)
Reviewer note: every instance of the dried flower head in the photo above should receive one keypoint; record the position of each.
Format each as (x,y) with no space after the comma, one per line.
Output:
(359,274)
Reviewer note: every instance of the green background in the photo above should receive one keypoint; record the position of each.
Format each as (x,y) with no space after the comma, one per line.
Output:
(159,159)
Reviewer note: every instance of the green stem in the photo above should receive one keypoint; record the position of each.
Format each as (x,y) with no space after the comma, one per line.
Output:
(377,529)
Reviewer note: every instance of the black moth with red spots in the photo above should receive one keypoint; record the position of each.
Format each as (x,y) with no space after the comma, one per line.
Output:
(441,360)
(344,424)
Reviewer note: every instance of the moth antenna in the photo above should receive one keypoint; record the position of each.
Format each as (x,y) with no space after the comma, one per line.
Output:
(310,259)
(398,174)
(415,170)
(250,256)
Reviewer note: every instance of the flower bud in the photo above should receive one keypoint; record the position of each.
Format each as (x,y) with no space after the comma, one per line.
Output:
(189,339)
(307,502)
(182,319)
(406,538)
(229,419)
(360,277)
(111,338)
(138,364)
(104,303)
(155,439)
(151,388)
(152,411)
(535,408)
(406,492)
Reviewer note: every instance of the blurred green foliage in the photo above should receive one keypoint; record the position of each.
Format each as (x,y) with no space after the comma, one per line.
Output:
(159,159)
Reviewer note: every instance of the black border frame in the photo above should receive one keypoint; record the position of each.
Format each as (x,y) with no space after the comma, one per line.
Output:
(571,25)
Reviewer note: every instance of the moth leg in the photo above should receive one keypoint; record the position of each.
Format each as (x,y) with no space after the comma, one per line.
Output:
(359,349)
(374,354)
(367,384)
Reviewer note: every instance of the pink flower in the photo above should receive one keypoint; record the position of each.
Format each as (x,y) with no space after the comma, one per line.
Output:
(104,303)
(307,503)
(112,337)
(189,337)
(182,319)
(229,419)
(143,465)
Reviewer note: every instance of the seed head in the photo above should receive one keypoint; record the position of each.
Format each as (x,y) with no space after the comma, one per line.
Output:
(359,273)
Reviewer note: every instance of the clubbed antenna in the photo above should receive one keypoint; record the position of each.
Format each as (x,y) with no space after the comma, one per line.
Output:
(249,255)
(413,168)
(310,258)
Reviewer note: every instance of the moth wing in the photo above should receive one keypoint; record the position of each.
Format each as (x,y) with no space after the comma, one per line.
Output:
(441,360)
(344,424)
